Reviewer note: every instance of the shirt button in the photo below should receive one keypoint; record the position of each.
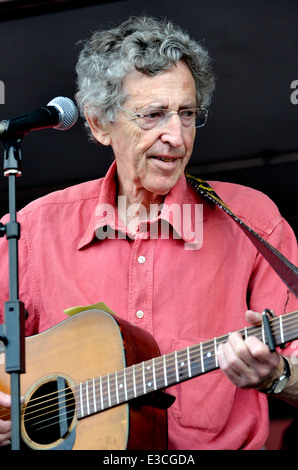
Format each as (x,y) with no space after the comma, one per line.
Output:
(141,259)
(140,314)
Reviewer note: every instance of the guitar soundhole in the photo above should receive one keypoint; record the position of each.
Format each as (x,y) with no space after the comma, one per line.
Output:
(49,412)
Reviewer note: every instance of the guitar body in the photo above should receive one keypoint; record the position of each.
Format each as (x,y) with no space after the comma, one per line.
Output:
(95,381)
(83,346)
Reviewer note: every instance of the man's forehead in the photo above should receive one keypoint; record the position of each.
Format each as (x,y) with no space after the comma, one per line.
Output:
(141,87)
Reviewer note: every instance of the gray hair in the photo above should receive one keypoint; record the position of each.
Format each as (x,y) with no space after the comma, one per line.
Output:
(142,44)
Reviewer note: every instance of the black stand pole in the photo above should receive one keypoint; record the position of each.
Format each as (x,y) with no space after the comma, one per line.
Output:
(12,333)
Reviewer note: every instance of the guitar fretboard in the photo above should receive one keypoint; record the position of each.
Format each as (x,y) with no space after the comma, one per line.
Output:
(100,393)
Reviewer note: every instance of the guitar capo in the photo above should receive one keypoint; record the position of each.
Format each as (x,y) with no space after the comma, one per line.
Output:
(267,328)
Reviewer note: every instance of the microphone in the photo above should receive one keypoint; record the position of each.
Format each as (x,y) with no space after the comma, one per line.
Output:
(60,113)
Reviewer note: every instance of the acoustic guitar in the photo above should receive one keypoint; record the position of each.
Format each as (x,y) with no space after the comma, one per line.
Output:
(95,381)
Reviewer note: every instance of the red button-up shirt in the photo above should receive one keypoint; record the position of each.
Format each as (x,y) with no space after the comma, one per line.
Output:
(191,285)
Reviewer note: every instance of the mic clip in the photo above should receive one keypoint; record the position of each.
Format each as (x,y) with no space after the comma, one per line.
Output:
(12,157)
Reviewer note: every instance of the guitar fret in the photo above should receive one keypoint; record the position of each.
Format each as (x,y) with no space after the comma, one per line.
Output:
(160,372)
(140,379)
(209,358)
(202,358)
(90,397)
(176,367)
(194,361)
(134,380)
(183,364)
(154,373)
(125,385)
(81,399)
(263,334)
(281,330)
(109,390)
(106,390)
(87,398)
(149,376)
(116,387)
(165,371)
(120,386)
(101,394)
(188,362)
(130,383)
(215,353)
(171,368)
(97,394)
(144,378)
(94,396)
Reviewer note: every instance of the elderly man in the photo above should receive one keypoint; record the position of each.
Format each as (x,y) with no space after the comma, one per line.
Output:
(144,242)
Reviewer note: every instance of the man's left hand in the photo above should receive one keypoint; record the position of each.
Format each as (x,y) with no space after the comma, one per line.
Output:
(249,363)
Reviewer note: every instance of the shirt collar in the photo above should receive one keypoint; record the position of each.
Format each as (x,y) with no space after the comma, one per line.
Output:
(177,211)
(106,198)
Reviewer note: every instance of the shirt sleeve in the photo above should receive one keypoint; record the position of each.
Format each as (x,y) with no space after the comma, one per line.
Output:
(266,289)
(27,283)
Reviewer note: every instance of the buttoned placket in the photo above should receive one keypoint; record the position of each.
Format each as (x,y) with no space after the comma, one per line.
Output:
(140,297)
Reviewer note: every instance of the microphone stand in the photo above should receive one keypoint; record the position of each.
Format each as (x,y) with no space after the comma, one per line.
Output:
(12,332)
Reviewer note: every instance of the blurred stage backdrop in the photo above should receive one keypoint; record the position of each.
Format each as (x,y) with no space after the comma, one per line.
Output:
(251,136)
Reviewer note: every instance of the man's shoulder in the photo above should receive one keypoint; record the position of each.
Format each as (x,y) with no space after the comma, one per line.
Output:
(74,194)
(251,205)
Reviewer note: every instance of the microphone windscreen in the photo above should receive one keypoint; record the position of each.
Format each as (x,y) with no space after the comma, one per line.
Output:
(68,111)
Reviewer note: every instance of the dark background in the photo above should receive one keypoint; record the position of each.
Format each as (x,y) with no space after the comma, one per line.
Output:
(251,135)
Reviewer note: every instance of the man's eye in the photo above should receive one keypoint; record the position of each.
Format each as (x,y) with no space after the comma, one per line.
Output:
(153,115)
(187,113)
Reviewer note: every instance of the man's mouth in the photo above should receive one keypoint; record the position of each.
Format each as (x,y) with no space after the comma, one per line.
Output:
(164,159)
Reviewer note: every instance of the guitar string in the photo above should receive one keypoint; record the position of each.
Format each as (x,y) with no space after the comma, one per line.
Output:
(112,390)
(141,383)
(193,351)
(159,365)
(49,424)
(179,352)
(46,425)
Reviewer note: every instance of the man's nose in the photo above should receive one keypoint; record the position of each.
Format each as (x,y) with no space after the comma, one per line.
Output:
(173,131)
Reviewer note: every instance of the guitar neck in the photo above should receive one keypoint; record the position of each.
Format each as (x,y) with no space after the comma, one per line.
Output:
(118,387)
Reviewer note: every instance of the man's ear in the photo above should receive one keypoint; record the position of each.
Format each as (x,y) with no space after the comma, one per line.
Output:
(99,131)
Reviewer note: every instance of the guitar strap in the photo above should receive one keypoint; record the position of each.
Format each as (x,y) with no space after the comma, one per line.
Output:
(287,271)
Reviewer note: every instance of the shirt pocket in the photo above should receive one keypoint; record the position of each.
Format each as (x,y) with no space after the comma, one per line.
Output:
(204,402)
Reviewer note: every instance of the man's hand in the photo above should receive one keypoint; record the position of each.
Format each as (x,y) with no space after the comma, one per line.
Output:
(249,363)
(5,426)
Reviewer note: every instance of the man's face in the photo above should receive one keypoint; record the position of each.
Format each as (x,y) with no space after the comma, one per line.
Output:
(153,160)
